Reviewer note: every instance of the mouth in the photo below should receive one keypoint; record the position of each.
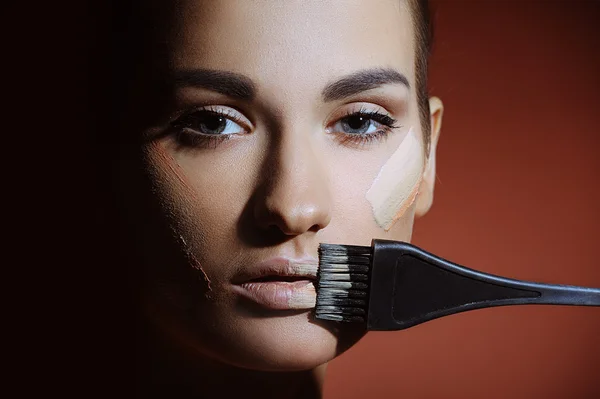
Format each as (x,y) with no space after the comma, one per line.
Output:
(281,279)
(280,284)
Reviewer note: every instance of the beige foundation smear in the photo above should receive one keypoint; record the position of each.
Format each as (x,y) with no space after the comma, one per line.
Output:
(303,298)
(395,187)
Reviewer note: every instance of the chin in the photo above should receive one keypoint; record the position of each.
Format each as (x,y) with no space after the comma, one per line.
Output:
(238,333)
(290,342)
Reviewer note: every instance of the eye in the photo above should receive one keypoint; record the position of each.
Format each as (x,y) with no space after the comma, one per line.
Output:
(209,126)
(362,127)
(364,123)
(211,122)
(356,124)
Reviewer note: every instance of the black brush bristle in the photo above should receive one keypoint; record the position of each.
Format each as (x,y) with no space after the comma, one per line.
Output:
(343,282)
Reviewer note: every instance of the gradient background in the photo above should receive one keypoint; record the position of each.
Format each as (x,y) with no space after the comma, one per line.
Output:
(517,195)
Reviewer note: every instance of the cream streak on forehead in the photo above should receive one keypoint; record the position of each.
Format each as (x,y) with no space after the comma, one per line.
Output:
(395,187)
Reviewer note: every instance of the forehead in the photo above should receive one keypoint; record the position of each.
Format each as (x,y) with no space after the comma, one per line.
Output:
(275,41)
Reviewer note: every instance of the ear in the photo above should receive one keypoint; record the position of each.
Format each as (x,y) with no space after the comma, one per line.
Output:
(425,197)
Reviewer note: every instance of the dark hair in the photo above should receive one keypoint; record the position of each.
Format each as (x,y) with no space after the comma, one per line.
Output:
(423,39)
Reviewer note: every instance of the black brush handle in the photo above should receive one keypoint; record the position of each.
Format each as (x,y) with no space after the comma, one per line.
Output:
(409,286)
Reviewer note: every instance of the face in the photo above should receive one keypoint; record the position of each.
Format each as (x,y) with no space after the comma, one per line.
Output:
(288,124)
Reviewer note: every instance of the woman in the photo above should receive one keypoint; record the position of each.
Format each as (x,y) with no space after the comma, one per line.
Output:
(253,131)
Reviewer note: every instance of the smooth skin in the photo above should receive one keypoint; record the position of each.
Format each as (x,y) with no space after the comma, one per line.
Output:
(289,176)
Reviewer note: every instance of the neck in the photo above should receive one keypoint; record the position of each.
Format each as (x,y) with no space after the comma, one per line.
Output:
(164,371)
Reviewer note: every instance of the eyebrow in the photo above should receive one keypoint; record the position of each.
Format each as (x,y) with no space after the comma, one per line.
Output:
(227,83)
(360,81)
(241,87)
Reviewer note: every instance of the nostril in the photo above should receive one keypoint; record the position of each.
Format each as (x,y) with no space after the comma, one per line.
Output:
(290,216)
(315,228)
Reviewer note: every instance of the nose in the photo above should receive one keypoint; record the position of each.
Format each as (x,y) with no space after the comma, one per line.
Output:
(296,196)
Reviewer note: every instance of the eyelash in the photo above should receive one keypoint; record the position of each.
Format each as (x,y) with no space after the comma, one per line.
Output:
(358,140)
(189,139)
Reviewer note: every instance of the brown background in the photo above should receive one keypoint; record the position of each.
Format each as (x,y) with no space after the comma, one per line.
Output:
(517,195)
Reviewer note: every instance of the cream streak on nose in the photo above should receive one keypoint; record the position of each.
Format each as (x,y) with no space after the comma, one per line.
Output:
(395,188)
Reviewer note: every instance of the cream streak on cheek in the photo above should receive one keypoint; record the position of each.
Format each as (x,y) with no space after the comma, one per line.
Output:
(395,188)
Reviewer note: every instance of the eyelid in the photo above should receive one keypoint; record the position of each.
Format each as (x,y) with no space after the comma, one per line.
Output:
(343,112)
(224,110)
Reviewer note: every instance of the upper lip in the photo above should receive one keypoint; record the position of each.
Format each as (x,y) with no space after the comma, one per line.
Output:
(280,269)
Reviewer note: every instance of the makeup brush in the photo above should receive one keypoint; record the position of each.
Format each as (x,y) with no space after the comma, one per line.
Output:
(394,285)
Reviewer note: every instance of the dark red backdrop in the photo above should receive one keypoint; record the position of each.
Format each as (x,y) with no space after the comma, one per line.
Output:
(517,195)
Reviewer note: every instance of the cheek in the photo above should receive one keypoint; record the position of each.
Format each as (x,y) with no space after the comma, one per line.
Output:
(375,198)
(220,189)
(394,189)
(203,197)
(352,221)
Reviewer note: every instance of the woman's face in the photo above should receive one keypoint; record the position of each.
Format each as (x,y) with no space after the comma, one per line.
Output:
(260,158)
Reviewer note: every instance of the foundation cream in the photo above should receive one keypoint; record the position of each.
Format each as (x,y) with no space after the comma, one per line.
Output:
(396,186)
(304,297)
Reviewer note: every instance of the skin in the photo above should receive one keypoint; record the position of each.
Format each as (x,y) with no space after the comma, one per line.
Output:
(286,183)
(396,187)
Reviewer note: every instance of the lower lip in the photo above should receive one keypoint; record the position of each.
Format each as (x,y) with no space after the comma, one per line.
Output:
(279,295)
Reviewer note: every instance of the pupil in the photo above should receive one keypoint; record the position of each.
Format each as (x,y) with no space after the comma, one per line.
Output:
(356,124)
(214,124)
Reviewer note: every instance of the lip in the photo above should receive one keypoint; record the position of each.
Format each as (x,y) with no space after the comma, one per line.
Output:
(286,268)
(280,283)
